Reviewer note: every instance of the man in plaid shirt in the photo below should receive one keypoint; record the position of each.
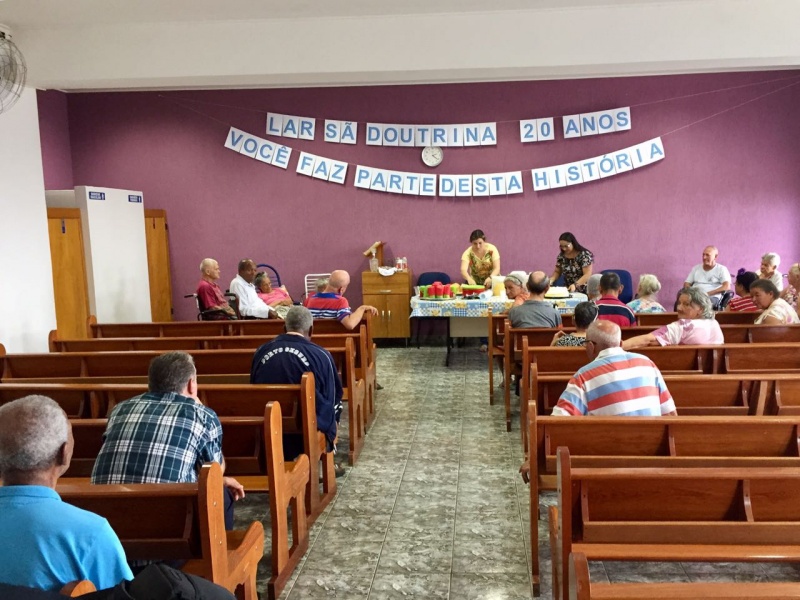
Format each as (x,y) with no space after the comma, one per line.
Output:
(165,435)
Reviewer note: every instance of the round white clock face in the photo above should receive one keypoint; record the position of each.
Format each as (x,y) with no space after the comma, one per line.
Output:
(432,155)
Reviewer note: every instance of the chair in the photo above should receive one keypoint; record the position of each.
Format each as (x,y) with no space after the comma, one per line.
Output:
(724,300)
(428,278)
(216,314)
(310,283)
(627,284)
(274,277)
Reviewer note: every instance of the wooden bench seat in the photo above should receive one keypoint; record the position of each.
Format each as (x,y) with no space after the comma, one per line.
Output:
(722,317)
(218,366)
(766,358)
(627,442)
(581,588)
(181,521)
(673,514)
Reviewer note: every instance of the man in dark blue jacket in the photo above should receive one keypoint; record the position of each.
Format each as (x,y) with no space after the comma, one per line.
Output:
(287,357)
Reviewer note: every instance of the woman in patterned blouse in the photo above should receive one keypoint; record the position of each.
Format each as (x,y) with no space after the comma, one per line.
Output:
(480,261)
(645,301)
(585,315)
(574,263)
(790,292)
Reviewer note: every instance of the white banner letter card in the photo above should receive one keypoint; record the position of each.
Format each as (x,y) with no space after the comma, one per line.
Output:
(395,182)
(305,164)
(307,128)
(274,124)
(427,185)
(322,168)
(363,177)
(374,134)
(540,180)
(447,185)
(282,156)
(572,126)
(605,121)
(266,152)
(411,184)
(480,185)
(379,180)
(497,184)
(338,172)
(623,118)
(250,145)
(472,135)
(349,132)
(333,131)
(488,134)
(391,135)
(406,135)
(514,182)
(574,173)
(291,126)
(546,130)
(234,140)
(528,131)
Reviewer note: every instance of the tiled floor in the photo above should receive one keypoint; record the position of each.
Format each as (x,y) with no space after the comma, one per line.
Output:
(435,508)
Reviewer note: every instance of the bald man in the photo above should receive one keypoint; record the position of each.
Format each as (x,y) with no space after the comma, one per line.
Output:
(710,276)
(536,311)
(47,543)
(615,382)
(211,297)
(331,303)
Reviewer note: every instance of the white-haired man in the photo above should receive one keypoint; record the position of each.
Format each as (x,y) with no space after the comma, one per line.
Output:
(211,297)
(47,543)
(710,276)
(615,382)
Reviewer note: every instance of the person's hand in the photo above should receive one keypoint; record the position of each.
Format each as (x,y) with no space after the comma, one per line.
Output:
(487,284)
(525,471)
(559,334)
(470,281)
(234,486)
(571,288)
(369,309)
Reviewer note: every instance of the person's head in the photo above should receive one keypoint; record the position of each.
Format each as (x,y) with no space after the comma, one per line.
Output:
(600,336)
(710,254)
(299,320)
(477,239)
(322,283)
(515,283)
(35,441)
(744,279)
(209,269)
(610,284)
(764,293)
(649,286)
(338,281)
(593,286)
(769,262)
(794,276)
(567,243)
(585,315)
(247,269)
(262,282)
(538,283)
(694,303)
(173,372)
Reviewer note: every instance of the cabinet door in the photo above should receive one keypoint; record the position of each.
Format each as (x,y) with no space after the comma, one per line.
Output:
(380,327)
(69,271)
(398,309)
(156,232)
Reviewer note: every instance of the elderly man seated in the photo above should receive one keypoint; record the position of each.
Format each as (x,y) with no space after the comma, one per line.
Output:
(710,276)
(211,297)
(250,305)
(331,303)
(536,311)
(47,543)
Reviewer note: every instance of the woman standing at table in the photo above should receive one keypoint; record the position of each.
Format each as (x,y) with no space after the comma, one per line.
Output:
(480,261)
(574,262)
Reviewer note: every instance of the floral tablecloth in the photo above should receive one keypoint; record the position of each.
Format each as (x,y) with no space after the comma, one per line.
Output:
(458,307)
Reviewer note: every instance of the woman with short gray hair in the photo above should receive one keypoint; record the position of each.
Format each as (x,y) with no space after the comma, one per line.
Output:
(769,269)
(789,293)
(695,325)
(646,295)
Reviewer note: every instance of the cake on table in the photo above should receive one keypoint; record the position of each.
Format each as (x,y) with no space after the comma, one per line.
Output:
(557,292)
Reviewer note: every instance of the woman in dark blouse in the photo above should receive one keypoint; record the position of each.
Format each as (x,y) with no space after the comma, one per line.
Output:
(574,263)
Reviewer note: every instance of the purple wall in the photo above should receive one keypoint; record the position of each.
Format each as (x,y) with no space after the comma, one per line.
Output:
(54,135)
(732,180)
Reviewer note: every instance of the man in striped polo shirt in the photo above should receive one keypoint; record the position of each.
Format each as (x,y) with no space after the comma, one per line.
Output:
(331,303)
(615,382)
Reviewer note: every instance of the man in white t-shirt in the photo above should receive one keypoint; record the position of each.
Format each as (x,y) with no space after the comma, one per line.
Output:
(711,277)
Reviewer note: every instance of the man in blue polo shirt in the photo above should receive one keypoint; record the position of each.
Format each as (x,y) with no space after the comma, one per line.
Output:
(287,357)
(45,542)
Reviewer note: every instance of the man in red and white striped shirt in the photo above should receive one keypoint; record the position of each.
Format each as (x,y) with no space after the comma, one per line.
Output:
(616,382)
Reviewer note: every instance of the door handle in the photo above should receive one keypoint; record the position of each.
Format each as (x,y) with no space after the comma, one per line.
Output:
(390,315)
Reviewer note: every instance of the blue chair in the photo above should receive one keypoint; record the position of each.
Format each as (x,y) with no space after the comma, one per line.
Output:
(428,278)
(626,280)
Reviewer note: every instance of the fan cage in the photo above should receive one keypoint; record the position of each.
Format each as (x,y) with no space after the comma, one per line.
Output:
(13,72)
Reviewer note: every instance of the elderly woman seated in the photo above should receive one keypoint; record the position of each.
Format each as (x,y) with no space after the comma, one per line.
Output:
(695,324)
(516,287)
(789,293)
(744,303)
(585,314)
(769,269)
(593,287)
(277,298)
(776,310)
(646,301)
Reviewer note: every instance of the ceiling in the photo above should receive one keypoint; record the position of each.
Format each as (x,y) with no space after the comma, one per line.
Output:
(89,45)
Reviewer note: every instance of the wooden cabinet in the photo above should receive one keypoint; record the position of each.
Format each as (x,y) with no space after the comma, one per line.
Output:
(392,297)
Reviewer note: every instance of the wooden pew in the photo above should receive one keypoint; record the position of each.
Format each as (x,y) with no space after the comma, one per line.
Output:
(762,358)
(496,348)
(581,588)
(185,521)
(218,366)
(786,393)
(78,402)
(653,442)
(673,514)
(707,395)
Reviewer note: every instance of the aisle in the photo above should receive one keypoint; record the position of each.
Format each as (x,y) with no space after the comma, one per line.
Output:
(434,508)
